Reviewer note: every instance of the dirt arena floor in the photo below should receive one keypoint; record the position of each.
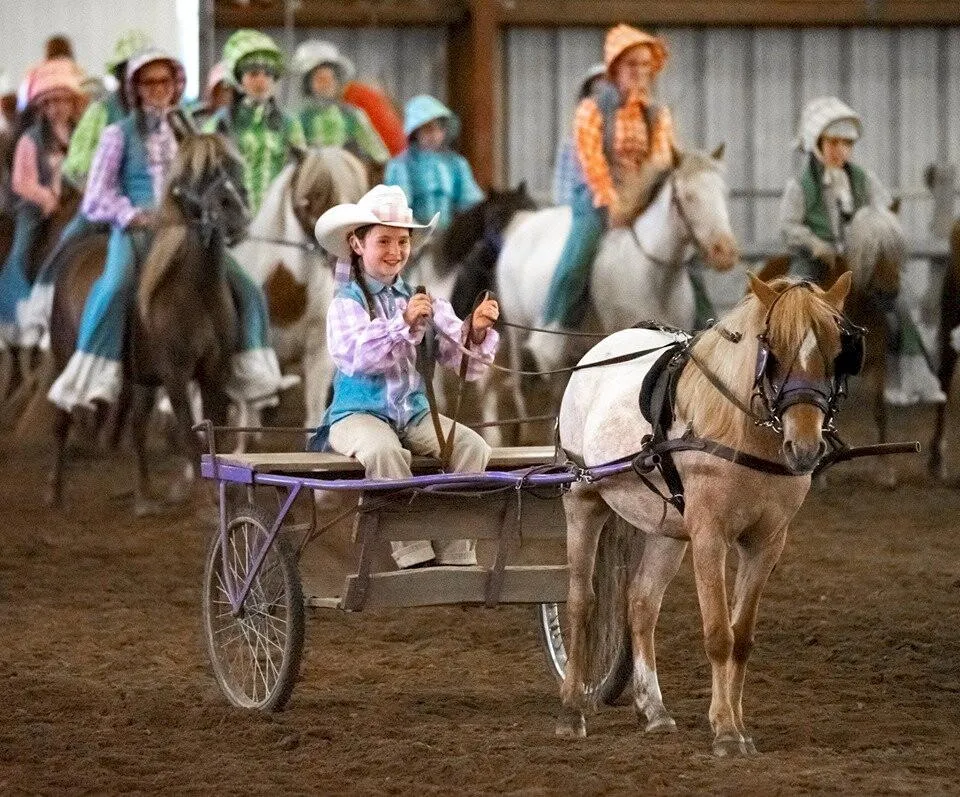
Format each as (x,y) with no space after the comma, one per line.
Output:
(854,685)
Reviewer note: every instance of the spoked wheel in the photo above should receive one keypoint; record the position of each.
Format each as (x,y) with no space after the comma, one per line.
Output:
(612,661)
(256,653)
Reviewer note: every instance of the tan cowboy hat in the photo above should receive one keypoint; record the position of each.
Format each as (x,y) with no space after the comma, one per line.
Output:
(383,204)
(622,37)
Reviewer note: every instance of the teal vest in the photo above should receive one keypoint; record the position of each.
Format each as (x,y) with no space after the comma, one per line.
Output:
(135,180)
(816,216)
(115,110)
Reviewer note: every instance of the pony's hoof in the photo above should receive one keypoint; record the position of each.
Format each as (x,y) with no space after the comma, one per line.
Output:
(748,748)
(571,725)
(662,724)
(730,746)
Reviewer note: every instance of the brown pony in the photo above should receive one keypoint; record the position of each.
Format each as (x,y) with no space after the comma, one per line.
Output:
(875,253)
(22,376)
(184,324)
(949,320)
(778,348)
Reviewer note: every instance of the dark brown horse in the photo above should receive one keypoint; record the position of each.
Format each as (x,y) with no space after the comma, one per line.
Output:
(184,324)
(875,254)
(949,320)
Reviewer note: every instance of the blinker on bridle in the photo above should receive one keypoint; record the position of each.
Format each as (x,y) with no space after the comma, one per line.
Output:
(824,394)
(201,209)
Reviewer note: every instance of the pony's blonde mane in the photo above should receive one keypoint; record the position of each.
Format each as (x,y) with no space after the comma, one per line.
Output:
(875,241)
(196,155)
(710,414)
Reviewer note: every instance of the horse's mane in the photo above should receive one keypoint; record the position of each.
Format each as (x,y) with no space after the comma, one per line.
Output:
(313,178)
(639,191)
(197,155)
(874,237)
(699,403)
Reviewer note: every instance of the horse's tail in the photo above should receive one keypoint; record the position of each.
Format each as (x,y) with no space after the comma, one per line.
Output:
(167,242)
(602,665)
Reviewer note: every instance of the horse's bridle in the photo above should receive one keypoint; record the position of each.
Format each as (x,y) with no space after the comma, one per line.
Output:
(684,217)
(825,394)
(202,210)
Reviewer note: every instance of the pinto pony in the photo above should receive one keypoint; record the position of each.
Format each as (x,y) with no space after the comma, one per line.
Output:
(296,277)
(778,348)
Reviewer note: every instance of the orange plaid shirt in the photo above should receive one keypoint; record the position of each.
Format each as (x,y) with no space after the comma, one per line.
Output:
(631,143)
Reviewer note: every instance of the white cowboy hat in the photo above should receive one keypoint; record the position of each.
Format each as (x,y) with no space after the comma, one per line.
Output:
(383,204)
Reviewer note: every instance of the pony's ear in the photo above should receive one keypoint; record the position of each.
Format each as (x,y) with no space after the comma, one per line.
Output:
(895,205)
(838,291)
(762,291)
(298,153)
(181,124)
(676,155)
(521,188)
(717,154)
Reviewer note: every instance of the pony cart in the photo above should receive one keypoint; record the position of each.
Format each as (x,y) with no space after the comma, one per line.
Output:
(264,570)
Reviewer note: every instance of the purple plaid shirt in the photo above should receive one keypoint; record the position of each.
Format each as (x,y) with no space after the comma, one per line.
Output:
(386,345)
(103,199)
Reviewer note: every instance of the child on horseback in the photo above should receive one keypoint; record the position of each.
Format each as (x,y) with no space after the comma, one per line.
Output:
(437,179)
(380,413)
(262,132)
(126,182)
(54,98)
(76,167)
(815,210)
(617,130)
(327,119)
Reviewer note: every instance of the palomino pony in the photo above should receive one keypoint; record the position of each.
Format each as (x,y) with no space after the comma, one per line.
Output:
(295,276)
(184,325)
(774,356)
(875,253)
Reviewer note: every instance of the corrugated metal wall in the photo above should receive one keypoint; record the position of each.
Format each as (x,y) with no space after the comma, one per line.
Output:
(92,26)
(745,87)
(404,61)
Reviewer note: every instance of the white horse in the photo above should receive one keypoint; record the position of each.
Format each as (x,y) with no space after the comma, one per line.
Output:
(296,277)
(639,272)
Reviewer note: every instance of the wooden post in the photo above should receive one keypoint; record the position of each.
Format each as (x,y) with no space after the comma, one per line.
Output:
(474,87)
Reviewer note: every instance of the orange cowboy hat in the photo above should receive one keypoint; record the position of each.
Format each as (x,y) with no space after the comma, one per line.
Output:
(622,37)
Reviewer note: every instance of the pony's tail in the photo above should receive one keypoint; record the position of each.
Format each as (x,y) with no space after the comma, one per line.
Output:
(601,645)
(166,244)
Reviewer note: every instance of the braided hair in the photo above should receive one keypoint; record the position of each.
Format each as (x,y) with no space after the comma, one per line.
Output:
(356,270)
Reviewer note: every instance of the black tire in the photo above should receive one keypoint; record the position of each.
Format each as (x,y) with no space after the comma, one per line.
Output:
(255,656)
(612,668)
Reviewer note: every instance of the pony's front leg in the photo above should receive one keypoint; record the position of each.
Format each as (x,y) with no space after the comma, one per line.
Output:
(661,560)
(758,556)
(586,514)
(709,562)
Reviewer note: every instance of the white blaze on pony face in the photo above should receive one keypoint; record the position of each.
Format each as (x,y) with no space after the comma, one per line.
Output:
(808,349)
(702,197)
